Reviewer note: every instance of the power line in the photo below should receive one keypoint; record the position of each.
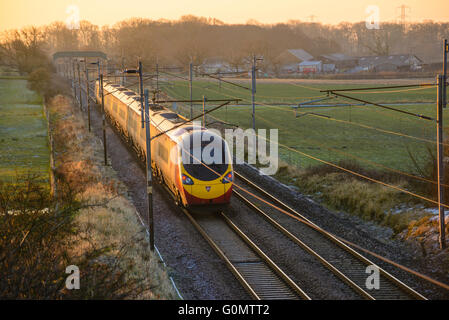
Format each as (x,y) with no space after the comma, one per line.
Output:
(277,97)
(385,107)
(420,275)
(361,175)
(316,227)
(384,87)
(130,85)
(343,121)
(376,129)
(303,86)
(174,75)
(403,14)
(364,160)
(356,173)
(190,120)
(234,84)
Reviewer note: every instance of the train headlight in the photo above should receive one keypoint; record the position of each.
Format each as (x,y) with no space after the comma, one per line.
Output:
(228,177)
(186,180)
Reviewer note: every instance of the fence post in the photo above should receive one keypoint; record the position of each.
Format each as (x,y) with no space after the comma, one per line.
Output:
(103,121)
(149,171)
(79,85)
(440,154)
(191,88)
(204,111)
(87,93)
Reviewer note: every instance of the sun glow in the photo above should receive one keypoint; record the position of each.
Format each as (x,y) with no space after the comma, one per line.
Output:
(20,13)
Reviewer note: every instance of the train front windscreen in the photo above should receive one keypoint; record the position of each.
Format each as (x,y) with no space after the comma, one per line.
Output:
(206,158)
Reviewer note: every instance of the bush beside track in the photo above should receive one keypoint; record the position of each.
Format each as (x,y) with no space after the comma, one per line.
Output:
(90,223)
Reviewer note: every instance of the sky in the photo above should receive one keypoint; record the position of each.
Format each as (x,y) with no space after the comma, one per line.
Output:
(20,13)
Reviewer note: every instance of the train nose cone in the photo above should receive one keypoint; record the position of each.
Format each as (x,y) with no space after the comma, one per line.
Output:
(207,188)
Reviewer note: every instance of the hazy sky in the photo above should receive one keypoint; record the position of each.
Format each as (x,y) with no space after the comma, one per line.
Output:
(19,13)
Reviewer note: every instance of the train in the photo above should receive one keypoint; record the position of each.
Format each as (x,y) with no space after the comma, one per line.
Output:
(174,154)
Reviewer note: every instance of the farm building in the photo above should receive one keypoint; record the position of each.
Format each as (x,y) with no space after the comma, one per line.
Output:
(310,67)
(397,62)
(215,65)
(290,59)
(433,64)
(337,62)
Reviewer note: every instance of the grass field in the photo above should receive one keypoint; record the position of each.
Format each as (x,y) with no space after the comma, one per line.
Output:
(23,131)
(385,145)
(325,138)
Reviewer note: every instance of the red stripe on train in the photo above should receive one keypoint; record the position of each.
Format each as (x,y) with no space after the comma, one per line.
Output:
(192,200)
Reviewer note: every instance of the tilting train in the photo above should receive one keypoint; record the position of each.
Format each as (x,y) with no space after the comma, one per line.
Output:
(191,181)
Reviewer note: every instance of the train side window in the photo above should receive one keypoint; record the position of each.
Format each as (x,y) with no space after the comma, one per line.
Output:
(122,113)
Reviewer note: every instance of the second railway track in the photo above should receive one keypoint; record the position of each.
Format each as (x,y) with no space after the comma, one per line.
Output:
(262,278)
(257,273)
(336,256)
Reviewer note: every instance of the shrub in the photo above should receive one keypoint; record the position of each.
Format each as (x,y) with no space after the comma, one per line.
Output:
(37,243)
(40,80)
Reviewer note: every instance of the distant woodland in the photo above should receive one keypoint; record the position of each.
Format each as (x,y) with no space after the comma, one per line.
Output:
(196,39)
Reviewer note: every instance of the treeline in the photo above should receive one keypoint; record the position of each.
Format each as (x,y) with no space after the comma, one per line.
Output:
(28,51)
(195,39)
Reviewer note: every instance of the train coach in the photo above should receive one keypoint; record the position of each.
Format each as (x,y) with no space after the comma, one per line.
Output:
(175,160)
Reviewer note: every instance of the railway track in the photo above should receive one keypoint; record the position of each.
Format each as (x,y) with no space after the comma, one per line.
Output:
(343,261)
(257,273)
(262,278)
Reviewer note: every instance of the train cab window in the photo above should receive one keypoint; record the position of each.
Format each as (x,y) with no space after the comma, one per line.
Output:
(203,171)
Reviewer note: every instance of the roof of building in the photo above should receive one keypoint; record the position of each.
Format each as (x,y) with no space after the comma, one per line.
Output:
(395,59)
(310,63)
(337,56)
(301,54)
